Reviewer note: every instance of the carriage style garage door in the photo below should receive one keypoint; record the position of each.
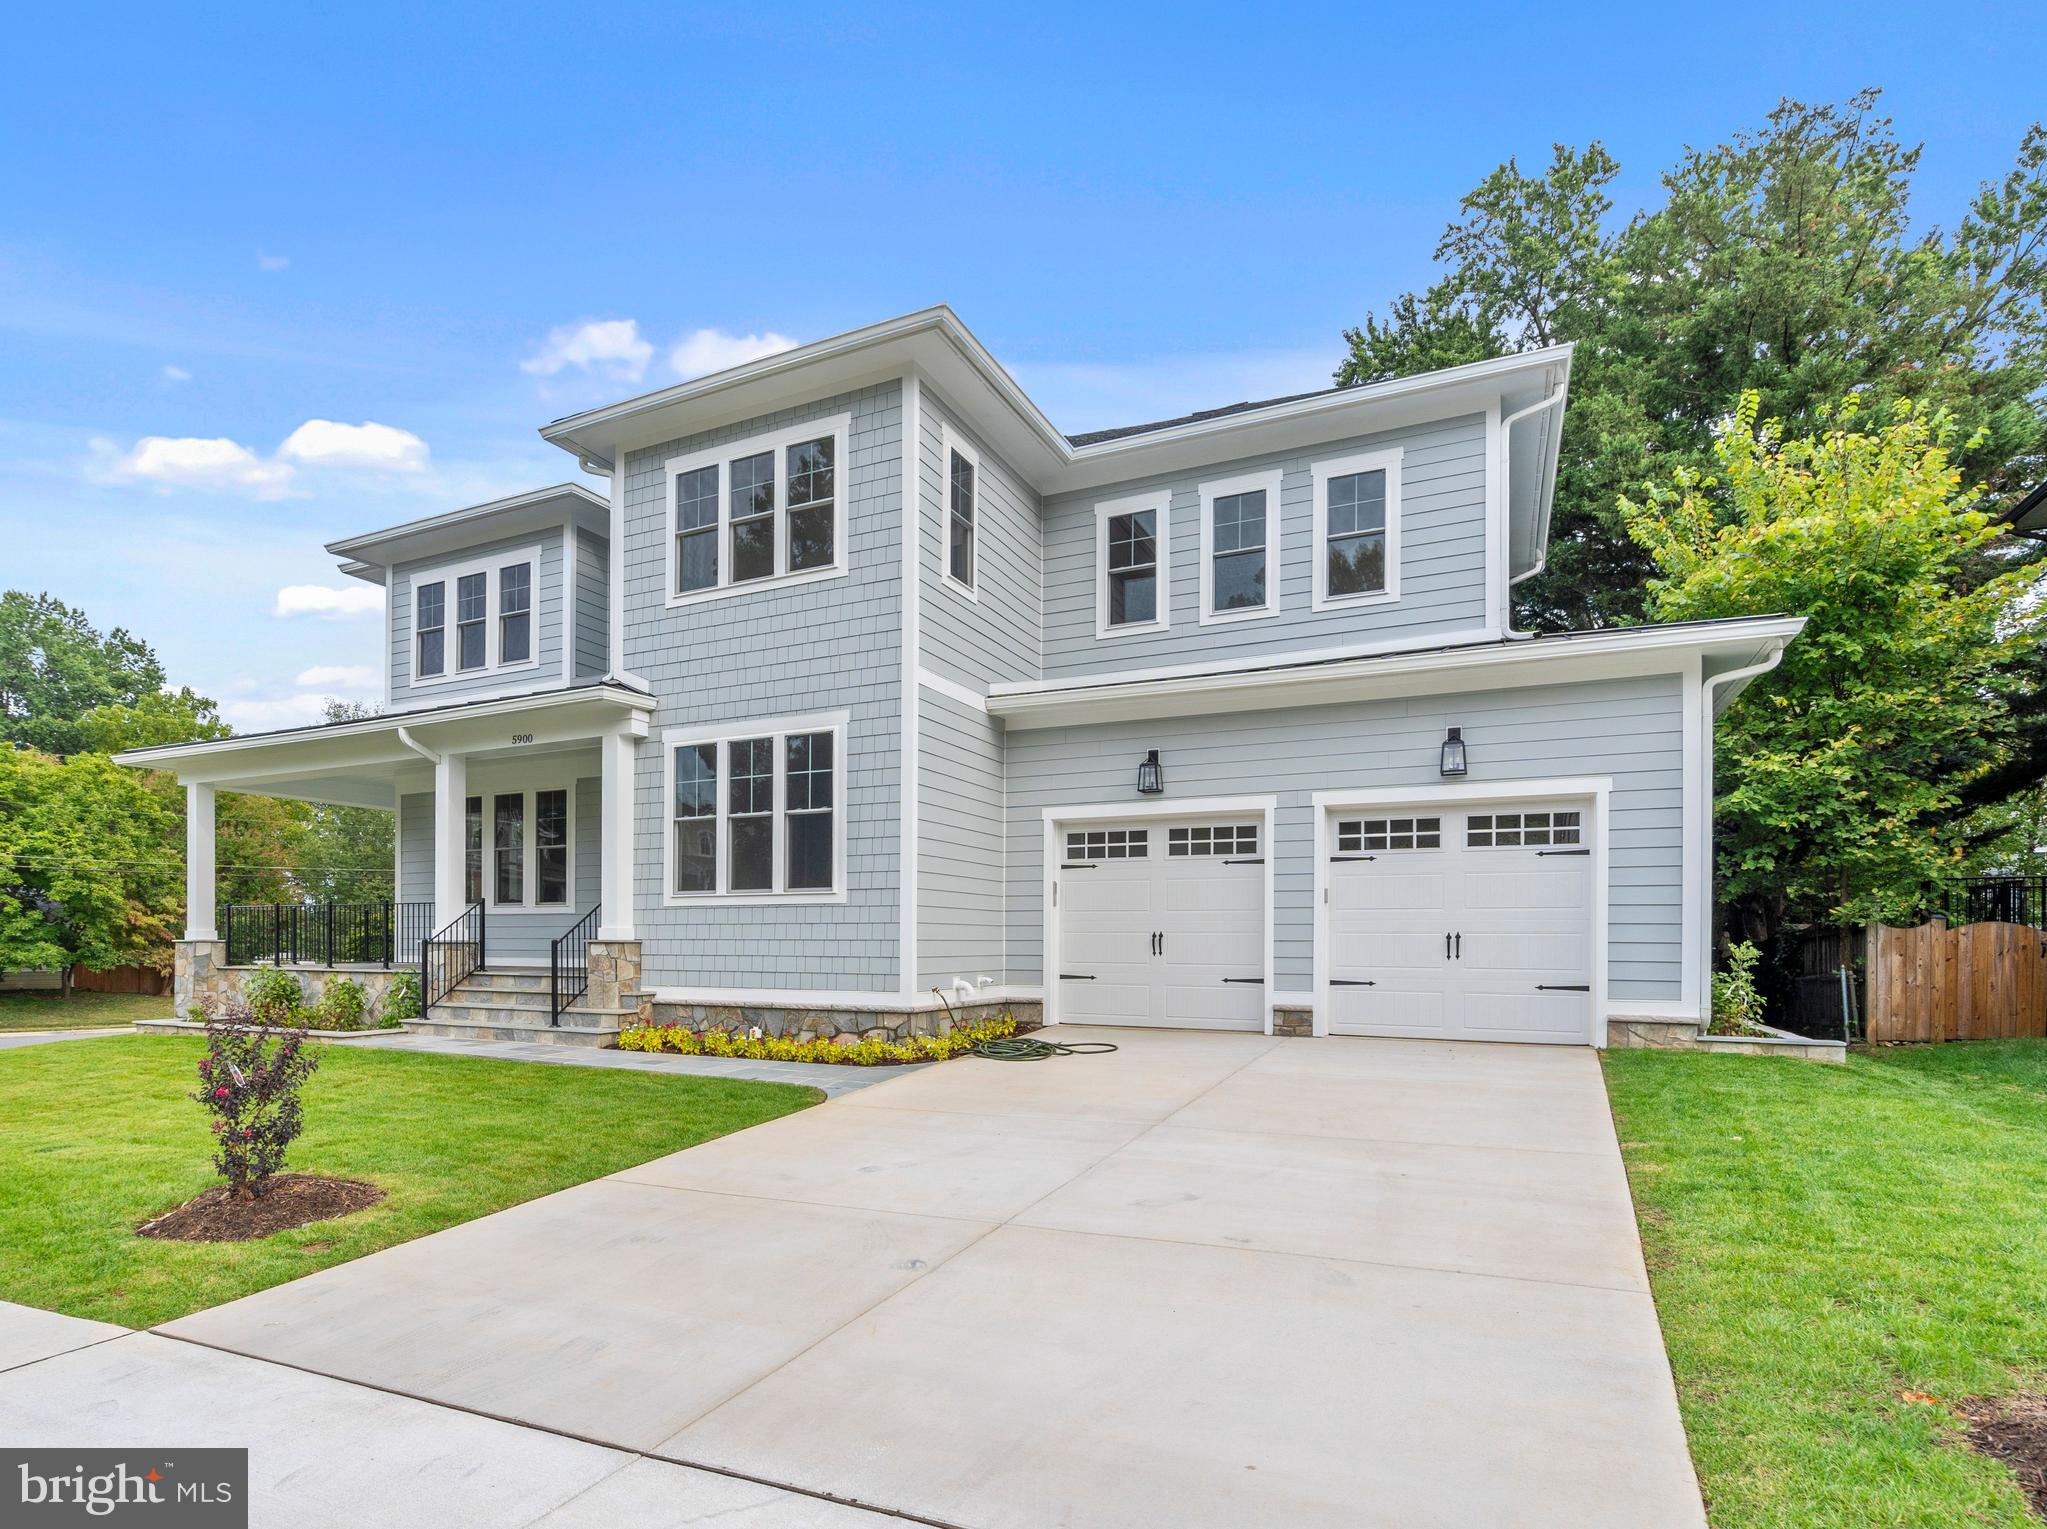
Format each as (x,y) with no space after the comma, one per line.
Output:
(1462,924)
(1162,923)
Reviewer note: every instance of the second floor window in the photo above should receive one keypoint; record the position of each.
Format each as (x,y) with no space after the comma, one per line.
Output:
(1131,541)
(961,485)
(430,615)
(1357,530)
(515,613)
(472,625)
(768,508)
(757,814)
(1240,547)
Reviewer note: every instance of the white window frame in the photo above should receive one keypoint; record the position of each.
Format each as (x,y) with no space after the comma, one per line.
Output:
(1160,503)
(1271,480)
(778,728)
(1387,462)
(948,443)
(840,428)
(449,574)
(529,882)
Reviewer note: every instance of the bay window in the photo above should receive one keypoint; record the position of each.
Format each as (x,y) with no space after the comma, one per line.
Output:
(756,811)
(766,509)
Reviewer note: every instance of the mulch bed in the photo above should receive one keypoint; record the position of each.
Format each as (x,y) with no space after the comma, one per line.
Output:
(2013,1429)
(288,1200)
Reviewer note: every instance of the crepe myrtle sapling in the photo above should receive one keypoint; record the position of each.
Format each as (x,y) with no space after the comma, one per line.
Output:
(249,1082)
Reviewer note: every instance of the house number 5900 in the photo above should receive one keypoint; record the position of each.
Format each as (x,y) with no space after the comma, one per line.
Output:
(522,737)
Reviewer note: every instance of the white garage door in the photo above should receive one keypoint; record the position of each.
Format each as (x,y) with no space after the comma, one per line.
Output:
(1472,924)
(1162,923)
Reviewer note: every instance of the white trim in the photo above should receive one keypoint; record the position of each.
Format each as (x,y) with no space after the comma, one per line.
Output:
(952,690)
(398,846)
(1496,529)
(1322,472)
(1653,1008)
(1270,481)
(840,428)
(1160,503)
(614,594)
(390,656)
(1055,819)
(1695,898)
(448,575)
(569,602)
(837,723)
(912,704)
(1594,788)
(838,998)
(949,441)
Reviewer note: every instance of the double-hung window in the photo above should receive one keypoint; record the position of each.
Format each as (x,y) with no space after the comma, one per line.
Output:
(1357,530)
(1240,547)
(489,603)
(1130,555)
(430,617)
(962,492)
(757,810)
(769,508)
(550,847)
(522,851)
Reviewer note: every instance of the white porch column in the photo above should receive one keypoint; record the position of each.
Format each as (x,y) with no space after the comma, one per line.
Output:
(615,879)
(199,864)
(451,840)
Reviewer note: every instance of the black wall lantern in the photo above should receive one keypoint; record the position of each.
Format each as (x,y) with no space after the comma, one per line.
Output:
(1151,780)
(1453,752)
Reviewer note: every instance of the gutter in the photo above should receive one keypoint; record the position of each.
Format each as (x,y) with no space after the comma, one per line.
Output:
(405,737)
(1555,400)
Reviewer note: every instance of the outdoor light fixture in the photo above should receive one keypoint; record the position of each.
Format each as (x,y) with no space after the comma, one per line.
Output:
(1453,752)
(1151,780)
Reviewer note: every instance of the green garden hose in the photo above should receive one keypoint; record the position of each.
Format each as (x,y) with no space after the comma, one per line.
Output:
(1025,1048)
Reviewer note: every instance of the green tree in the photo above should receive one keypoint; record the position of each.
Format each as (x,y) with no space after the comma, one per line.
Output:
(1840,779)
(56,668)
(1781,262)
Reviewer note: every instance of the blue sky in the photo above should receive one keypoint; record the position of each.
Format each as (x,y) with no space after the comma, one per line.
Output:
(270,279)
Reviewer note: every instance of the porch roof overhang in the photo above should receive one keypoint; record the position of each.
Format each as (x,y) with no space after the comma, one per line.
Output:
(1561,658)
(361,763)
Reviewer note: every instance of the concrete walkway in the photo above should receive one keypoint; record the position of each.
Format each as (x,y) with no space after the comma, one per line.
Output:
(1208,1280)
(10,1039)
(830,1079)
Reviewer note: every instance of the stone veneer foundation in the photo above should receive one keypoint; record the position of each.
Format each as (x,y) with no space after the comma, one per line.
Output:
(1293,1021)
(835,1023)
(200,972)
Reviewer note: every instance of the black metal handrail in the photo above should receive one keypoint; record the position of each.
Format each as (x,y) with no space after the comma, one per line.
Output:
(451,957)
(379,933)
(568,960)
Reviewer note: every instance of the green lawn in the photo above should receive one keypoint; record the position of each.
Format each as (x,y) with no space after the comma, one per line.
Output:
(99,1136)
(81,1011)
(1823,1239)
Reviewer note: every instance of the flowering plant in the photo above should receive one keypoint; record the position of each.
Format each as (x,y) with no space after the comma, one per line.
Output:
(249,1082)
(755,1046)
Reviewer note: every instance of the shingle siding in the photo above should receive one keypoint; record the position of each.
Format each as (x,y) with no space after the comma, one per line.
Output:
(1629,729)
(767,653)
(993,637)
(1442,558)
(547,626)
(593,605)
(959,844)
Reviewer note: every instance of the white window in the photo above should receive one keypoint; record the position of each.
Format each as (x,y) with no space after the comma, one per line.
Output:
(1355,834)
(770,509)
(1357,530)
(522,851)
(757,811)
(962,509)
(1211,839)
(1512,830)
(489,603)
(1133,566)
(1240,547)
(1108,844)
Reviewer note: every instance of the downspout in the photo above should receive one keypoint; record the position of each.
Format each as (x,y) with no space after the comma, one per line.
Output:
(405,737)
(1507,425)
(1707,692)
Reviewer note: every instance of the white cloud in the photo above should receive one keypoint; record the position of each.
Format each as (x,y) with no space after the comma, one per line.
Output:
(257,716)
(176,374)
(271,262)
(612,346)
(340,677)
(713,350)
(325,443)
(197,462)
(329,604)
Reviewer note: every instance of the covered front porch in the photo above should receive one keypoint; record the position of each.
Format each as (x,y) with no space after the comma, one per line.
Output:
(512,865)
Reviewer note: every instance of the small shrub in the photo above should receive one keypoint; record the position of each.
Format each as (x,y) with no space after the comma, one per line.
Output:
(401,998)
(249,1082)
(343,1005)
(1737,1006)
(756,1047)
(274,996)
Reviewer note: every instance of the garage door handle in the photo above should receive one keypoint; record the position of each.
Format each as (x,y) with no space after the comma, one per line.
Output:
(1563,852)
(1350,982)
(1563,987)
(1078,865)
(1334,858)
(1076,976)
(1259,980)
(1243,862)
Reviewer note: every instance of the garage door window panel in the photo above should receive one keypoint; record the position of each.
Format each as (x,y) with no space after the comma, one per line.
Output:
(1354,835)
(1519,830)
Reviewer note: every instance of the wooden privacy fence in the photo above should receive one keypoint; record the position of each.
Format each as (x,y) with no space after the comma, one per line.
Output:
(1979,982)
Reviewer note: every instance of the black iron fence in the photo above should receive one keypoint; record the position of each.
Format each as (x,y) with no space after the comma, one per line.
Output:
(384,933)
(1991,900)
(449,958)
(569,963)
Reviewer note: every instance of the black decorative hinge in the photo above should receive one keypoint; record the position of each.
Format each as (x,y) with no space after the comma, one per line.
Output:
(1563,987)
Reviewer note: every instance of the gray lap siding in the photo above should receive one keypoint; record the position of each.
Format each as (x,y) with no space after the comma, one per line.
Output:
(768,653)
(1628,729)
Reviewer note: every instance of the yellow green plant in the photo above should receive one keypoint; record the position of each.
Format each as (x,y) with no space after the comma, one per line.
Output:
(755,1047)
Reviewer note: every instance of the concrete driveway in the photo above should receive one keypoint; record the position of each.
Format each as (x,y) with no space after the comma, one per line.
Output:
(1212,1279)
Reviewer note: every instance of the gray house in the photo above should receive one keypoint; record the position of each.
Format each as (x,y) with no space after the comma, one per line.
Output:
(864,681)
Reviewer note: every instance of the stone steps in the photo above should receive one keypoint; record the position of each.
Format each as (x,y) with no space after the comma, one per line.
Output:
(514,1006)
